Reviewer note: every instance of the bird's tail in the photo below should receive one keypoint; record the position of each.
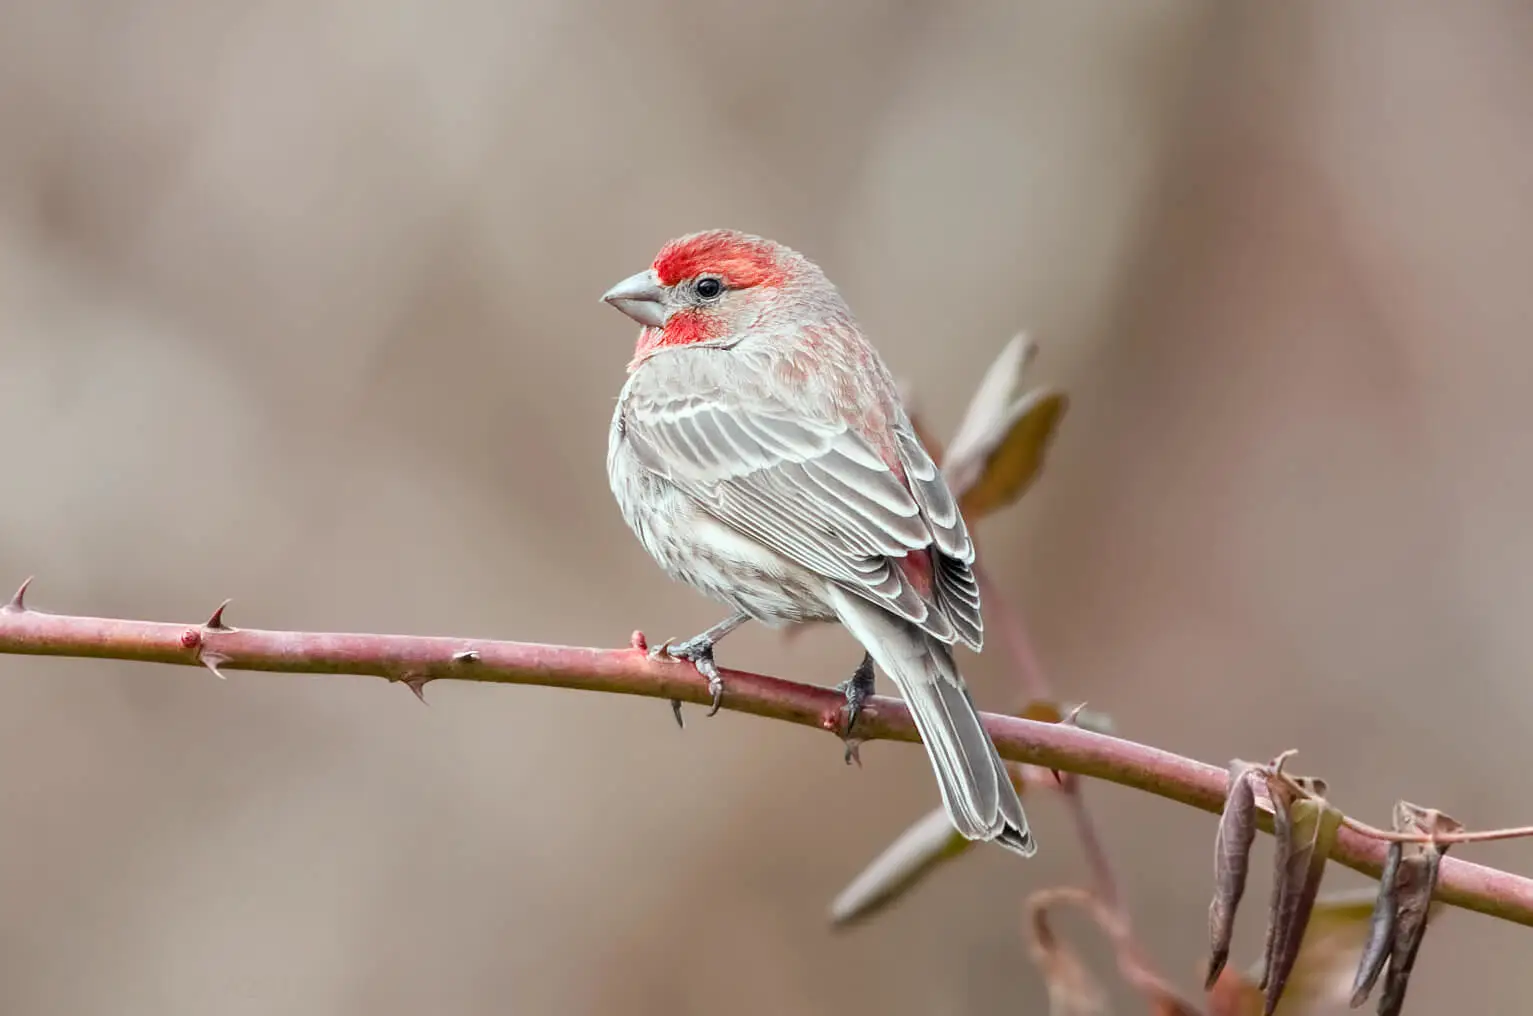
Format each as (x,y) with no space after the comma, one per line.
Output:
(976,789)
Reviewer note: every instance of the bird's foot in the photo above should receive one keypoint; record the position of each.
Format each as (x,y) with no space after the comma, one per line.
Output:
(697,651)
(857,690)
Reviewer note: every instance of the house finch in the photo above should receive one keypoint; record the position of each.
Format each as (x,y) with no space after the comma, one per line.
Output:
(761,454)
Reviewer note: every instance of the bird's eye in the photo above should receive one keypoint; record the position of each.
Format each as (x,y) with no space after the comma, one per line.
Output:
(708,288)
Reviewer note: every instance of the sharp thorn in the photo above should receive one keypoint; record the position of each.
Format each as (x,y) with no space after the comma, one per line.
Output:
(676,711)
(212,661)
(18,604)
(216,622)
(418,686)
(466,656)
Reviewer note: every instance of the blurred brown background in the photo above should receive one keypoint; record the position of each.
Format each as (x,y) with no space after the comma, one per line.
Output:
(298,304)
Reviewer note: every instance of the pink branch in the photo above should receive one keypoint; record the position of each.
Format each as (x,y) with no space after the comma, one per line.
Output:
(416,660)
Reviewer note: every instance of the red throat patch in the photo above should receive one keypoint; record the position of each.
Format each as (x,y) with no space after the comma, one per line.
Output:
(742,261)
(683,329)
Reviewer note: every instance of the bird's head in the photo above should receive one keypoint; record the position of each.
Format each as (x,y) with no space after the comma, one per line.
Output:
(710,288)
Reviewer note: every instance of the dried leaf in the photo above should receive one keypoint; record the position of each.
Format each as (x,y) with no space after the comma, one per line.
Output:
(1000,445)
(1312,826)
(1014,455)
(1073,991)
(1414,885)
(1333,941)
(1381,928)
(1232,858)
(917,852)
(1282,797)
(1322,974)
(995,393)
(1418,878)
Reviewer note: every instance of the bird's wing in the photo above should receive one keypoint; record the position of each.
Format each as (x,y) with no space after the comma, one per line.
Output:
(814,491)
(955,587)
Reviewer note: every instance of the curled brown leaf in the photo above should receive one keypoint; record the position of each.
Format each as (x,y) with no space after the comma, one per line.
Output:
(1418,877)
(1282,795)
(999,448)
(1381,928)
(1136,972)
(1415,882)
(1335,938)
(1311,827)
(1014,455)
(1232,859)
(1073,991)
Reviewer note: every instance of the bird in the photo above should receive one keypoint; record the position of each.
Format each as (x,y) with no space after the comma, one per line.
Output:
(761,453)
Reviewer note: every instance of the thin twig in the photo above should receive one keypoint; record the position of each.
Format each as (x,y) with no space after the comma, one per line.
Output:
(1131,964)
(1097,859)
(1392,836)
(1466,836)
(629,671)
(1036,685)
(1029,671)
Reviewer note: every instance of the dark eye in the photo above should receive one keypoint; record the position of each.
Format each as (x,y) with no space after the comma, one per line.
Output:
(708,288)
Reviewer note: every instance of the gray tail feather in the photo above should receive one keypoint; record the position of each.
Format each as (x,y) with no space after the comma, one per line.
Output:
(976,789)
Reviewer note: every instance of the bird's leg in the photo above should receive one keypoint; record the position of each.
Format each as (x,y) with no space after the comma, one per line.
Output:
(857,689)
(698,650)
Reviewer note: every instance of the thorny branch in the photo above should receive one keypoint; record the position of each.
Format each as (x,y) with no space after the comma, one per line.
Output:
(418,660)
(994,458)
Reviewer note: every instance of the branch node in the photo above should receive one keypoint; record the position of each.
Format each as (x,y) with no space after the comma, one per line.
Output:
(639,642)
(18,602)
(191,638)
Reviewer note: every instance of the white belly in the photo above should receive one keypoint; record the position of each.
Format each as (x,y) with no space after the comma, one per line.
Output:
(713,558)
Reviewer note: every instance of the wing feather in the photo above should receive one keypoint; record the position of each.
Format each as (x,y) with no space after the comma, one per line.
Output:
(815,492)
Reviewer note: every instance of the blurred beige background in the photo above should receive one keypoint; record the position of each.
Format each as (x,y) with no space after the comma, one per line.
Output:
(298,304)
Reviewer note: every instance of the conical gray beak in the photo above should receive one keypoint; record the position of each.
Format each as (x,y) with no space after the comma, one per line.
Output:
(641,297)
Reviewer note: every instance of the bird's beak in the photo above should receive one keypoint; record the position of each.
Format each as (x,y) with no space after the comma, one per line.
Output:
(641,297)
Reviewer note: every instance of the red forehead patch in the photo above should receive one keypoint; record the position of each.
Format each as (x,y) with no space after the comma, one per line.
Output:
(742,261)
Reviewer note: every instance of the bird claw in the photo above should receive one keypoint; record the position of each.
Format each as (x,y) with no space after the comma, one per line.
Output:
(857,689)
(699,653)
